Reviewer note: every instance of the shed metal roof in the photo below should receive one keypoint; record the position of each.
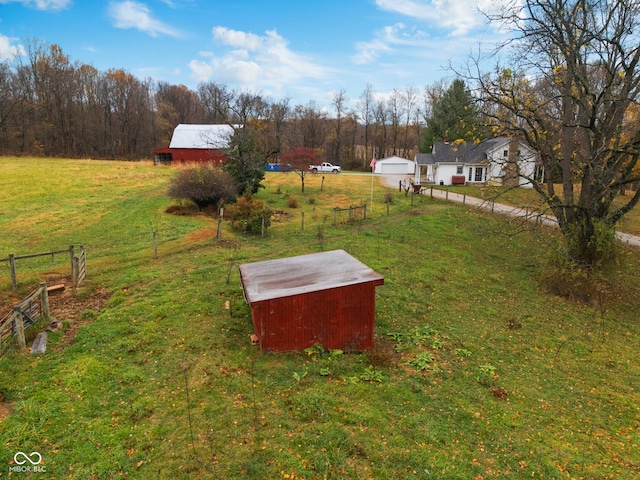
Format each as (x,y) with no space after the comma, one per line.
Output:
(201,136)
(302,274)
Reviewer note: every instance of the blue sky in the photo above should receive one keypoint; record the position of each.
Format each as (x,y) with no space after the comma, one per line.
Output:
(304,50)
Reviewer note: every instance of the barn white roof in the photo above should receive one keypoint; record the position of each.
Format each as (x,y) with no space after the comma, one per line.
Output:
(202,136)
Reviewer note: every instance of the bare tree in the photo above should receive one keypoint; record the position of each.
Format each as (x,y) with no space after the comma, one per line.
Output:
(339,102)
(380,128)
(278,117)
(410,100)
(396,110)
(574,77)
(177,104)
(300,158)
(216,99)
(365,113)
(310,126)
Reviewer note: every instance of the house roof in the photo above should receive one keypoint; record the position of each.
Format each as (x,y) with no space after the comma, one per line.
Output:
(460,153)
(425,159)
(201,136)
(290,276)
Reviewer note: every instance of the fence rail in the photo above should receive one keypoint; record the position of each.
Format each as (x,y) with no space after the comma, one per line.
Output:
(355,212)
(78,264)
(23,315)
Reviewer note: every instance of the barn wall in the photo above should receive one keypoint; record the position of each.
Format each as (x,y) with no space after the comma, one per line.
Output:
(339,318)
(193,155)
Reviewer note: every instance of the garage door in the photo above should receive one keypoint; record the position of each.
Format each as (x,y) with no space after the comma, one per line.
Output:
(398,168)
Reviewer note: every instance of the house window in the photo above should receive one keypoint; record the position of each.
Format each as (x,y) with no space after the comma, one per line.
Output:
(477,174)
(505,153)
(539,175)
(459,170)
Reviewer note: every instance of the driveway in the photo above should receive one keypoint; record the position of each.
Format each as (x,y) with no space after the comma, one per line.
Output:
(394,181)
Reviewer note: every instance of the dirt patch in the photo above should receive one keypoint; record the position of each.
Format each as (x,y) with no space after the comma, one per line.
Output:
(77,309)
(202,234)
(4,409)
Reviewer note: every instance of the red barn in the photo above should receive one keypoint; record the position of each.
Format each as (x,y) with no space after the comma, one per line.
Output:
(323,298)
(195,143)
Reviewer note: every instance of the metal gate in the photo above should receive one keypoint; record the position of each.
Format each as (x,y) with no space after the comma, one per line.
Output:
(79,267)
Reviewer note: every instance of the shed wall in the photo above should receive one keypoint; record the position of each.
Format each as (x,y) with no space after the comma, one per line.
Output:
(339,318)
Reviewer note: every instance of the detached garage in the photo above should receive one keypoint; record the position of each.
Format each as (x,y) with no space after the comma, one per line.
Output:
(395,166)
(323,298)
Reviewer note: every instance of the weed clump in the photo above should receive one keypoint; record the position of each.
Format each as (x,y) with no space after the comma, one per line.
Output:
(383,354)
(292,201)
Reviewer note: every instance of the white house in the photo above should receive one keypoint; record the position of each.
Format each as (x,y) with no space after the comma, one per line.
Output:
(395,165)
(498,161)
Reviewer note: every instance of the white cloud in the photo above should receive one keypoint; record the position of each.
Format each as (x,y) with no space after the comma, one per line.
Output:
(136,15)
(458,16)
(41,4)
(201,71)
(9,51)
(387,40)
(254,61)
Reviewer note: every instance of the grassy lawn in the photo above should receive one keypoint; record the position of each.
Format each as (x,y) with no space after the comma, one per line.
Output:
(526,197)
(476,373)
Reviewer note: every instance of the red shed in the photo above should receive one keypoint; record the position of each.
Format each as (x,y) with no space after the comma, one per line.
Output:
(195,143)
(323,298)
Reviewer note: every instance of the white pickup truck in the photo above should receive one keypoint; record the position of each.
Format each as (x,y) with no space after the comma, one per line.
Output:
(325,167)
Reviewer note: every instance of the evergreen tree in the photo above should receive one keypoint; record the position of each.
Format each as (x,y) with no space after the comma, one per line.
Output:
(453,115)
(245,163)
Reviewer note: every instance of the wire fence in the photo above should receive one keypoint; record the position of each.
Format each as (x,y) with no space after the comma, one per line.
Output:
(78,263)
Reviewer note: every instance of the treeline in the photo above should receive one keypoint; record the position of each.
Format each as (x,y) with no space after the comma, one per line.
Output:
(52,106)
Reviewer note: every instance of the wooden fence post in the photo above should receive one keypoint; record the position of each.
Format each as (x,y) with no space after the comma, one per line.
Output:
(44,300)
(155,245)
(364,216)
(14,276)
(72,255)
(75,268)
(18,326)
(302,227)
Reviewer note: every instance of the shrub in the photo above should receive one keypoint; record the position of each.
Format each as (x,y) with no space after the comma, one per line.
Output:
(204,184)
(247,214)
